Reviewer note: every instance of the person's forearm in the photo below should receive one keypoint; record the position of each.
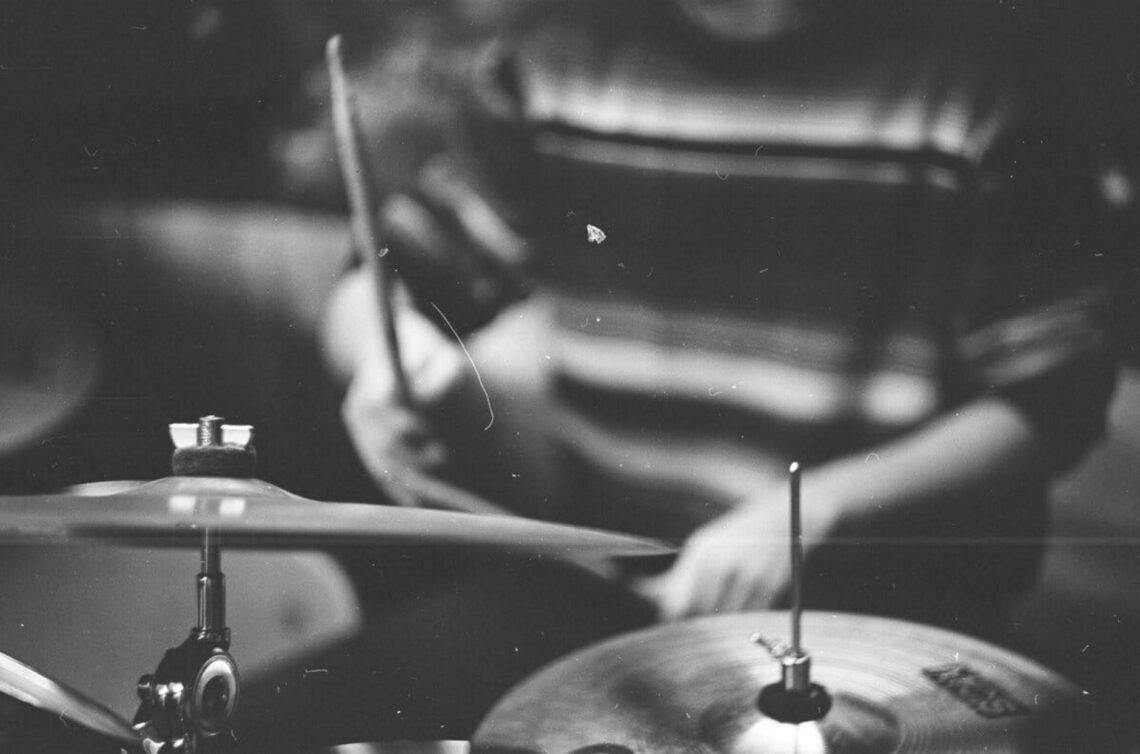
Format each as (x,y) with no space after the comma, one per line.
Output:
(985,445)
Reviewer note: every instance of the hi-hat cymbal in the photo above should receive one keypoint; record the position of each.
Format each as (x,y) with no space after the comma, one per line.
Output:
(72,709)
(692,687)
(175,511)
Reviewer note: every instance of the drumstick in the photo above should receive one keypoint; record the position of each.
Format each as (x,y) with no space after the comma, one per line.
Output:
(362,203)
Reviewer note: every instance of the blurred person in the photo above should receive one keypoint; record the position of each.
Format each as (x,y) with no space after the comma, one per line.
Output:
(688,243)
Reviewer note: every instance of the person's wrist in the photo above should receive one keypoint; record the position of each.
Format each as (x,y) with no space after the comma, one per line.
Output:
(821,510)
(823,505)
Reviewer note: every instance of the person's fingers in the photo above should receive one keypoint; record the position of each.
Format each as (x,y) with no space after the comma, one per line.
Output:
(757,580)
(692,586)
(672,591)
(738,590)
(356,349)
(432,364)
(706,589)
(435,366)
(394,436)
(649,588)
(390,436)
(758,591)
(427,454)
(719,570)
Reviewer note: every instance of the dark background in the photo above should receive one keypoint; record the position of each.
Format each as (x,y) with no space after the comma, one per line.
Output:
(167,176)
(135,131)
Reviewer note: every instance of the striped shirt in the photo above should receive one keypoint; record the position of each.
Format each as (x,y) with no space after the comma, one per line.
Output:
(789,252)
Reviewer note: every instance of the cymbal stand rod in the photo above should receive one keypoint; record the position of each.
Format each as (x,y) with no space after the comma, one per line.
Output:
(797,541)
(212,590)
(796,664)
(795,699)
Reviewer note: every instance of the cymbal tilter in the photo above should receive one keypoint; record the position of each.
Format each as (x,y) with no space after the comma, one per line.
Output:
(190,700)
(212,592)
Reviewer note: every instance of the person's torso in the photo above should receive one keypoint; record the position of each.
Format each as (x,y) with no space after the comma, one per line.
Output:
(755,258)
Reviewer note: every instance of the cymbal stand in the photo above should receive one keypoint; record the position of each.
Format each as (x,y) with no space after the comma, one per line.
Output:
(794,699)
(188,703)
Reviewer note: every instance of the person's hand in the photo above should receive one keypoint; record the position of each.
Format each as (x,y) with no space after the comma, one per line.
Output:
(393,436)
(739,561)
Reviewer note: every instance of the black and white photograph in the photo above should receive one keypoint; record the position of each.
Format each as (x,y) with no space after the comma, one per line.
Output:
(569,376)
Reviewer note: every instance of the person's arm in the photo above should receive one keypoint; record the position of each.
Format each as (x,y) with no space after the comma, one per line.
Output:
(392,436)
(740,561)
(458,265)
(474,416)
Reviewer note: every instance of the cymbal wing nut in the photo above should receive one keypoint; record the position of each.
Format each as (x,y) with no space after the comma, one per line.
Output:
(213,448)
(210,431)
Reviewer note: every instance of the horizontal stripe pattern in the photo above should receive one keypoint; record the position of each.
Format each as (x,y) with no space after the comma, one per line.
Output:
(793,373)
(1019,348)
(901,99)
(754,163)
(787,255)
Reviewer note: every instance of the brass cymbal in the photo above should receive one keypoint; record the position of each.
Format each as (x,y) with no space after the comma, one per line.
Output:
(175,511)
(692,687)
(26,685)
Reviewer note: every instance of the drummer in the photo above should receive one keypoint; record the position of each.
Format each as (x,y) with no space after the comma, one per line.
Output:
(687,246)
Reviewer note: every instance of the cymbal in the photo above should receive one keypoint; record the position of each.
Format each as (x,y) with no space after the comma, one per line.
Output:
(26,685)
(175,511)
(692,687)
